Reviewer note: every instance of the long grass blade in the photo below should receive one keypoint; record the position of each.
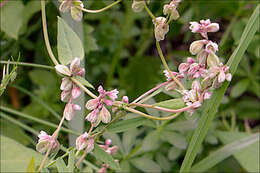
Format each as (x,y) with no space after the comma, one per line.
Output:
(210,108)
(224,152)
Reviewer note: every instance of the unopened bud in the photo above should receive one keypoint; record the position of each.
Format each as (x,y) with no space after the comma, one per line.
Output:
(138,5)
(196,47)
(63,70)
(212,60)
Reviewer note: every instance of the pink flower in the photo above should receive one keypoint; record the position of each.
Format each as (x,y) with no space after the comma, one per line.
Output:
(45,141)
(204,27)
(99,111)
(160,28)
(84,141)
(70,110)
(171,9)
(172,85)
(107,148)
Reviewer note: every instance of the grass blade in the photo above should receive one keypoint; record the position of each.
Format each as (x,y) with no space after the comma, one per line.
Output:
(224,153)
(211,106)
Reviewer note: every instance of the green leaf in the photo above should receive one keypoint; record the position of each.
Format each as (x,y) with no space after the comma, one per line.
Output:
(61,166)
(174,153)
(90,41)
(163,162)
(69,44)
(239,88)
(71,161)
(100,154)
(125,125)
(146,165)
(30,167)
(171,104)
(248,146)
(83,81)
(211,106)
(151,141)
(176,139)
(181,126)
(15,157)
(12,15)
(243,147)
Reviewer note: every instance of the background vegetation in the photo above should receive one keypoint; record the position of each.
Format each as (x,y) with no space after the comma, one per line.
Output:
(120,53)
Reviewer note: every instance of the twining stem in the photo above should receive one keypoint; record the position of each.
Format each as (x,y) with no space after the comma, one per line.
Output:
(27,64)
(149,12)
(152,117)
(161,108)
(150,91)
(84,88)
(45,158)
(45,33)
(166,66)
(54,137)
(99,10)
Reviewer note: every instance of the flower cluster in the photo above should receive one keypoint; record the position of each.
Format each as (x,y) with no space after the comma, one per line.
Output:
(74,6)
(97,106)
(161,24)
(69,89)
(206,71)
(110,150)
(84,141)
(45,141)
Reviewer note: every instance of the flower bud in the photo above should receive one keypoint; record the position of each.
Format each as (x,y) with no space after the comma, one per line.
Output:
(70,110)
(196,47)
(211,47)
(75,93)
(213,27)
(64,6)
(221,77)
(125,99)
(202,56)
(194,27)
(108,142)
(196,86)
(171,86)
(66,84)
(62,70)
(92,116)
(74,66)
(92,104)
(65,96)
(105,115)
(112,94)
(228,77)
(81,141)
(45,141)
(212,60)
(207,95)
(183,67)
(160,28)
(138,5)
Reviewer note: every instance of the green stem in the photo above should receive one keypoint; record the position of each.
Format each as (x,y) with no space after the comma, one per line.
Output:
(166,66)
(149,12)
(84,88)
(18,123)
(27,64)
(36,119)
(45,33)
(100,10)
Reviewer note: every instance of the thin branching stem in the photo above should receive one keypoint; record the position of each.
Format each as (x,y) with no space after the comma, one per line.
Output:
(28,64)
(100,10)
(45,34)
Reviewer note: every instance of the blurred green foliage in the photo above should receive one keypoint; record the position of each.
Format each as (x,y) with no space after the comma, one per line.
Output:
(120,52)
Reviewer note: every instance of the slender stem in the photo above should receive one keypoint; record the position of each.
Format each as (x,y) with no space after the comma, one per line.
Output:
(161,108)
(150,91)
(149,12)
(82,157)
(9,118)
(27,64)
(45,33)
(152,117)
(45,158)
(84,88)
(36,119)
(166,66)
(99,10)
(55,134)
